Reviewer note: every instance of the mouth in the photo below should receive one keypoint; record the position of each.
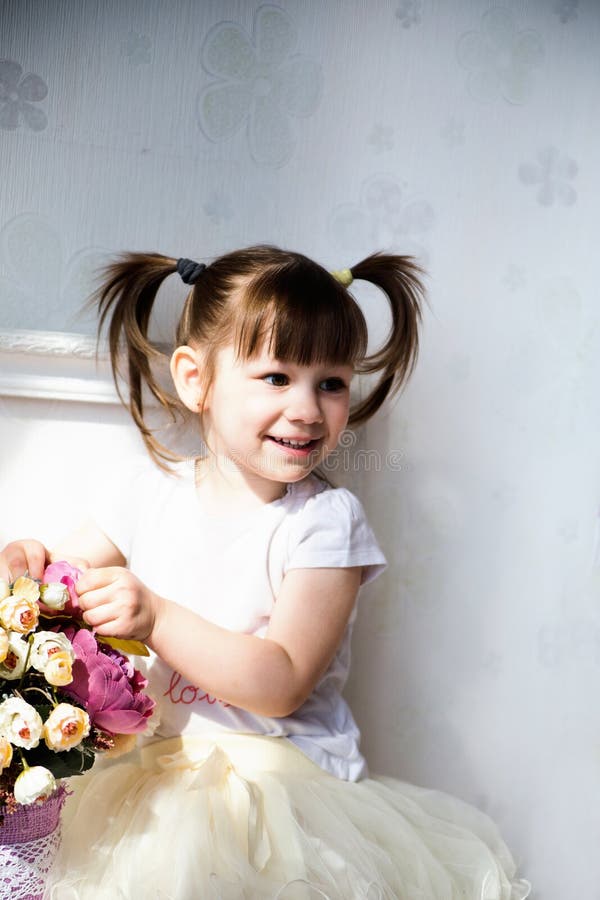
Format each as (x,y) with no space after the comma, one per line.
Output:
(293,446)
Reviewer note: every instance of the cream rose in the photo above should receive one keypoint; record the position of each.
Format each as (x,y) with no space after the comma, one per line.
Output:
(45,645)
(13,665)
(4,639)
(20,723)
(19,614)
(35,783)
(59,670)
(4,589)
(54,595)
(26,588)
(6,753)
(66,727)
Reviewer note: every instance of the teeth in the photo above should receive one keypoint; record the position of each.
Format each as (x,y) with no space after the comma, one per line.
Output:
(293,443)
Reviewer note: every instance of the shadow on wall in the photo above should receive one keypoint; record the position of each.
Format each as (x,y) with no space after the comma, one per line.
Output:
(402,641)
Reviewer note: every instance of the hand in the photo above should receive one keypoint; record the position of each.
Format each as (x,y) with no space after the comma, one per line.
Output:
(116,603)
(19,557)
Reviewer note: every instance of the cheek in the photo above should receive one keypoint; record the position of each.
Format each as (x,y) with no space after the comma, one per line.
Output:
(343,413)
(256,409)
(339,420)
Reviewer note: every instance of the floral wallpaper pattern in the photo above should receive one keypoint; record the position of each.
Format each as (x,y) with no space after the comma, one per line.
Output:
(566,10)
(552,172)
(501,60)
(453,132)
(262,82)
(60,281)
(381,137)
(18,94)
(384,218)
(138,48)
(409,12)
(464,133)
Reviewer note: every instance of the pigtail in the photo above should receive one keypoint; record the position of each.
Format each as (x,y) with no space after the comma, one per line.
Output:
(399,278)
(124,302)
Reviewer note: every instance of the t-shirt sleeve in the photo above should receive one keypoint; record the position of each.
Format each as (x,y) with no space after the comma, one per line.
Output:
(332,531)
(116,505)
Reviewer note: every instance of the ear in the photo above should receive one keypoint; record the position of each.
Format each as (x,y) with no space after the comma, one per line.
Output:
(187,373)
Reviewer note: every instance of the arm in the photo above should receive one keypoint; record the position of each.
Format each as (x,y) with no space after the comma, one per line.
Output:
(271,676)
(88,543)
(84,547)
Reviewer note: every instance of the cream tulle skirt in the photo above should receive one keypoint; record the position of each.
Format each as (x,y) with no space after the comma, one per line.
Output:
(252,817)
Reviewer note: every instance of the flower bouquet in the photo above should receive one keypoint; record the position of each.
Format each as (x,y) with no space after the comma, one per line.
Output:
(66,695)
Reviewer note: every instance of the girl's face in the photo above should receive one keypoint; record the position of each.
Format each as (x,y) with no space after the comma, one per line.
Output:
(274,421)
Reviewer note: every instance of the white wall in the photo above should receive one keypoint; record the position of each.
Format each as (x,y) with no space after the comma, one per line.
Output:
(465,132)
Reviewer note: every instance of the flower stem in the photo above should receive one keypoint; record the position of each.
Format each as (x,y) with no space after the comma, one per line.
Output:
(42,691)
(29,646)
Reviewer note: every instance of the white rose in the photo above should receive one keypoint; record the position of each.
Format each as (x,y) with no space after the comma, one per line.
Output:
(20,723)
(13,664)
(54,595)
(45,644)
(35,783)
(4,589)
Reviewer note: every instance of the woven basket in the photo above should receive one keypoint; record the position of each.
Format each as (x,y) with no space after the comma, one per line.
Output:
(29,840)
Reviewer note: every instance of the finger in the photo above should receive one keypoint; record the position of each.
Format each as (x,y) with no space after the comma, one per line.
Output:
(22,557)
(37,559)
(92,579)
(114,629)
(105,617)
(95,598)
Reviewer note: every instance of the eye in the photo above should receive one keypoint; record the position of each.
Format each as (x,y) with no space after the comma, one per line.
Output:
(332,384)
(277,379)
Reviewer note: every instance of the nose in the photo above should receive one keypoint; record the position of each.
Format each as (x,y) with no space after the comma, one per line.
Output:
(303,406)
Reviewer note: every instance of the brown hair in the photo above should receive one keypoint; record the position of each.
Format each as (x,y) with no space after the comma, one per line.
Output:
(249,295)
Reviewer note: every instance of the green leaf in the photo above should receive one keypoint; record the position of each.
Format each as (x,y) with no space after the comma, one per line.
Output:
(62,764)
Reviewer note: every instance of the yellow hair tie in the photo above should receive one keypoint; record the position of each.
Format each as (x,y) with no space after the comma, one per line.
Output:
(344,276)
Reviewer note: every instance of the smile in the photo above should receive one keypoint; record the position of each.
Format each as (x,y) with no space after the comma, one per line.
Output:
(290,443)
(299,448)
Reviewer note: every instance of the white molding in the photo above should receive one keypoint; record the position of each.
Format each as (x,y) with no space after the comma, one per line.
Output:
(54,365)
(48,343)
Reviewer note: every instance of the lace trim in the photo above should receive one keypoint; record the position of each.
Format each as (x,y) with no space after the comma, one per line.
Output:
(24,867)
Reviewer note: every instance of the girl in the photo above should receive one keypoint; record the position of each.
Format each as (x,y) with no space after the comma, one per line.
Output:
(240,569)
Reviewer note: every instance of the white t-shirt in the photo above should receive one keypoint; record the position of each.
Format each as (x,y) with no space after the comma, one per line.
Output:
(229,569)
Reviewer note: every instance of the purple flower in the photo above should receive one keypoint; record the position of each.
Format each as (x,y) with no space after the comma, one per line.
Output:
(106,684)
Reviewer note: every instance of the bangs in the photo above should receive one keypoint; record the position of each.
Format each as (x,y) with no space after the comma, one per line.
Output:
(306,315)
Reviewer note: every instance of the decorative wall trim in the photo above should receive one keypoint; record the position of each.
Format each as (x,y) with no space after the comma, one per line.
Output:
(48,343)
(56,366)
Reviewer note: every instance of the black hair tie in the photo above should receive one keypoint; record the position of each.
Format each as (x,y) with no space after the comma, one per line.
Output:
(189,270)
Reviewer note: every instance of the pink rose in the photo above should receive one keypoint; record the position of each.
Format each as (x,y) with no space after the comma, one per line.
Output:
(106,684)
(63,573)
